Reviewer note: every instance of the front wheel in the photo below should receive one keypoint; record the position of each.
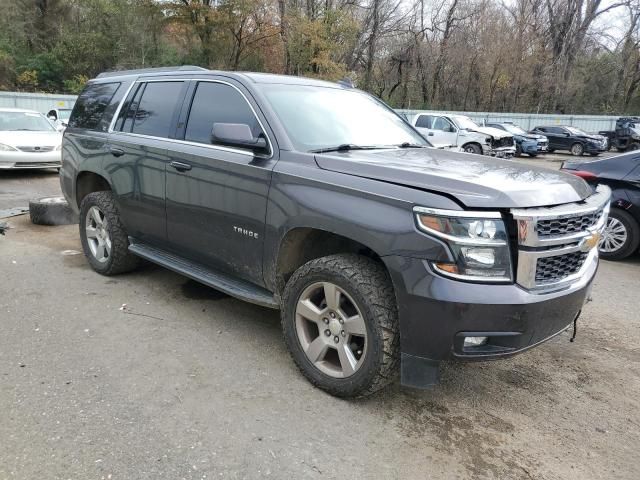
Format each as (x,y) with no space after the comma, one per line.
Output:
(473,148)
(104,239)
(577,149)
(621,236)
(340,323)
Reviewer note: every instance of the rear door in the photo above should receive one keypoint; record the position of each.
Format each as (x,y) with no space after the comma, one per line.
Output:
(137,156)
(217,195)
(555,136)
(423,125)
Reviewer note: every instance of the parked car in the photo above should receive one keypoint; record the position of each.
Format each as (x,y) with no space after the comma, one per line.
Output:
(382,253)
(59,117)
(572,139)
(444,130)
(530,143)
(28,140)
(621,173)
(626,136)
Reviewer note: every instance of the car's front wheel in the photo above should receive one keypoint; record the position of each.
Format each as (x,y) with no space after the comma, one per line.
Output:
(104,239)
(340,323)
(621,236)
(473,148)
(577,149)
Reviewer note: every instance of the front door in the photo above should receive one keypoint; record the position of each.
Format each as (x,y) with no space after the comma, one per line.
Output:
(216,195)
(445,133)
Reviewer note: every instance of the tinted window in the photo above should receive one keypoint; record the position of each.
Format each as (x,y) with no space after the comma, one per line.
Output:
(555,130)
(153,115)
(129,107)
(91,104)
(217,103)
(424,121)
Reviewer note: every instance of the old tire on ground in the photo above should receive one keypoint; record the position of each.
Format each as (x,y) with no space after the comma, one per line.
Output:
(104,239)
(621,236)
(340,323)
(51,211)
(473,148)
(577,149)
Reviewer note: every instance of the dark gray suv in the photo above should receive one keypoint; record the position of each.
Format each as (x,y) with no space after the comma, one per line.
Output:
(382,253)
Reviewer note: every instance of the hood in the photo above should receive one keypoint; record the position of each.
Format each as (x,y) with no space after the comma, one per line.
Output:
(474,180)
(494,132)
(32,139)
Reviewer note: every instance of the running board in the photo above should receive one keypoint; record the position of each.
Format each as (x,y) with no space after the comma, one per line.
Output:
(220,281)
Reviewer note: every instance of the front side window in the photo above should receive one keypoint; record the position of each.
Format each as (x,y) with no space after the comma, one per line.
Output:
(91,104)
(154,112)
(215,102)
(24,122)
(317,117)
(443,124)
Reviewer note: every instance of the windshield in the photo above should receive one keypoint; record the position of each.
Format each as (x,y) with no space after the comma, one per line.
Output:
(576,131)
(12,121)
(64,114)
(465,122)
(320,117)
(516,130)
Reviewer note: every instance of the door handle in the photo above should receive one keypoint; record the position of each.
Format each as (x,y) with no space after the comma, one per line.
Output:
(181,167)
(116,152)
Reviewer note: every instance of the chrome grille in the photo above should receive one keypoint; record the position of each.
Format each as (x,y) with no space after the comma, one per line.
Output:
(36,149)
(555,269)
(563,226)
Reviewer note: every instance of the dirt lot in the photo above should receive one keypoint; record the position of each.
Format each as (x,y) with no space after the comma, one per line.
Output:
(188,383)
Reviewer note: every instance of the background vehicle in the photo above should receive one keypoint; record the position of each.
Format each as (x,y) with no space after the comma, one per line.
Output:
(28,140)
(626,136)
(621,173)
(272,189)
(530,143)
(59,117)
(460,131)
(572,139)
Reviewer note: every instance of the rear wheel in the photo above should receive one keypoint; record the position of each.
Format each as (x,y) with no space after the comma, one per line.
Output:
(340,323)
(621,236)
(104,239)
(577,149)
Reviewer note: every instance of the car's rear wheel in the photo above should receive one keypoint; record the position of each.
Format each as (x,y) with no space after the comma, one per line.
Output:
(340,323)
(577,149)
(621,236)
(104,239)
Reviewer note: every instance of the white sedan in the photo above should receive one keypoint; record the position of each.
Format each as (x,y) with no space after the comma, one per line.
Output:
(28,140)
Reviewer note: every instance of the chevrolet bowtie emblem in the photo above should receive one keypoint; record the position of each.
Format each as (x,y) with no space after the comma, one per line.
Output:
(590,242)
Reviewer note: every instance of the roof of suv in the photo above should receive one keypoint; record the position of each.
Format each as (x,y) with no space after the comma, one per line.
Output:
(187,70)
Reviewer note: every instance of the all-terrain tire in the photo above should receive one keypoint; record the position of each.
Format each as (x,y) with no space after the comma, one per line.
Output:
(368,284)
(120,259)
(51,211)
(473,148)
(632,241)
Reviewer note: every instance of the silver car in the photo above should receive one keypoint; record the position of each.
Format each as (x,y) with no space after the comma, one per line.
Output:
(28,140)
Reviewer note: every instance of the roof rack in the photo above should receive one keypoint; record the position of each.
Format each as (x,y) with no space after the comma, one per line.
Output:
(150,70)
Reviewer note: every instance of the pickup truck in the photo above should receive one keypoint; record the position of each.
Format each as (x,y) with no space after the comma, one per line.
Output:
(446,131)
(626,135)
(384,255)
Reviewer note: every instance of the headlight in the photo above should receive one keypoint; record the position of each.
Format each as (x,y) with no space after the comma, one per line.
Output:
(7,148)
(487,140)
(478,242)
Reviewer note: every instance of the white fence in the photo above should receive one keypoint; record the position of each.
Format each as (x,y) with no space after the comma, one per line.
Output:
(41,102)
(588,123)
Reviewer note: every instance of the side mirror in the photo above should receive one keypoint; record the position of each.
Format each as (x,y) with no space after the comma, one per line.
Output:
(52,118)
(237,135)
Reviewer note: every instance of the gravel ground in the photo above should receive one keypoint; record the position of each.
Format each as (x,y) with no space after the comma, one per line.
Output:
(185,382)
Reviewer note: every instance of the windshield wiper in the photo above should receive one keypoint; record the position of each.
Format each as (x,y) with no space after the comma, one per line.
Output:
(345,147)
(411,145)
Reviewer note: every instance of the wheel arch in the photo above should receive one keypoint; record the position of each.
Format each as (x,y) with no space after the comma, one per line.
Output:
(88,182)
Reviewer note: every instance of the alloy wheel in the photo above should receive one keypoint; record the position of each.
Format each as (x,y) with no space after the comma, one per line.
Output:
(97,234)
(614,236)
(331,329)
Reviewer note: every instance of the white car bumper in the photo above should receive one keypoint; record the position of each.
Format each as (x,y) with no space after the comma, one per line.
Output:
(17,159)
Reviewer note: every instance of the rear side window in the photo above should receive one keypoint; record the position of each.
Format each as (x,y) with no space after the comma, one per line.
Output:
(91,104)
(424,121)
(217,103)
(152,110)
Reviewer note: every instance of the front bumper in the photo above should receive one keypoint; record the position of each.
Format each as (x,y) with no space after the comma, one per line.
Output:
(589,148)
(25,160)
(436,313)
(501,152)
(529,147)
